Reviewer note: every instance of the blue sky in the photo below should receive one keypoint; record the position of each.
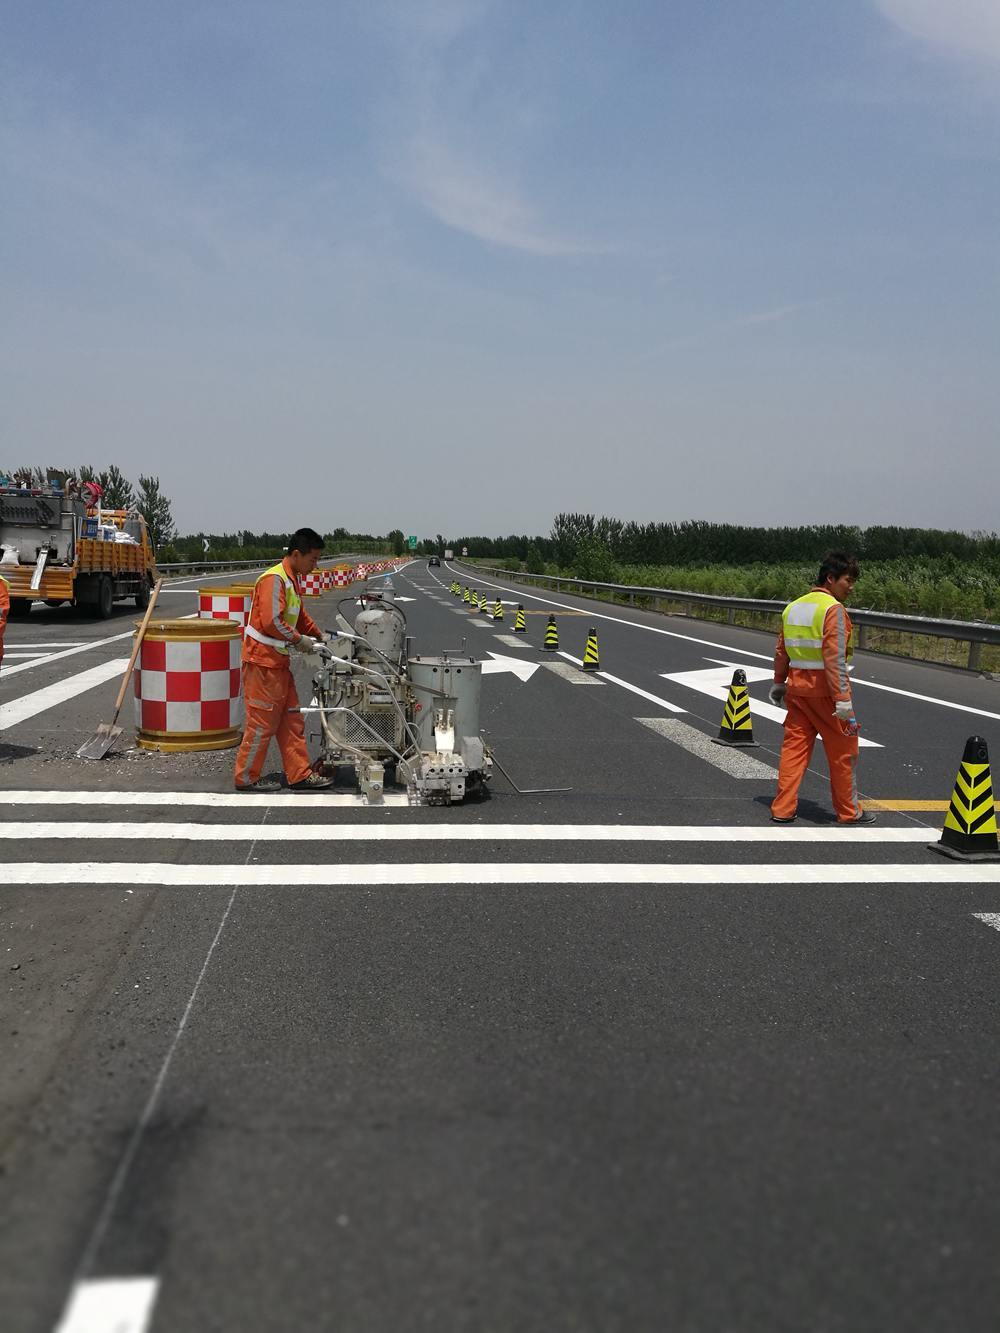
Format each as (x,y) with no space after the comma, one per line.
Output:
(455,266)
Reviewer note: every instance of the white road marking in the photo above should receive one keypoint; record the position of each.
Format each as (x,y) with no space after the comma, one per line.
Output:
(82,648)
(483,624)
(110,1305)
(643,694)
(988,918)
(206,799)
(571,673)
(512,641)
(88,830)
(468,873)
(521,669)
(731,759)
(46,647)
(715,682)
(9,656)
(728,648)
(29,705)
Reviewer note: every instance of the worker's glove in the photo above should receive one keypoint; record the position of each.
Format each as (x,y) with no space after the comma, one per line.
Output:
(308,645)
(843,710)
(777,693)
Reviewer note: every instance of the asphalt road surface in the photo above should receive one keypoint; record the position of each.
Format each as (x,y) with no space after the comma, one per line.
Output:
(619,1057)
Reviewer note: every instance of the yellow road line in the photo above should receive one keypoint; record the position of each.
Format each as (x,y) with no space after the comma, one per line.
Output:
(911,805)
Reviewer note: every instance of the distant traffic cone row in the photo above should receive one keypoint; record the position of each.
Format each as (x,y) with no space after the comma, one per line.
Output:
(970,826)
(737,726)
(591,657)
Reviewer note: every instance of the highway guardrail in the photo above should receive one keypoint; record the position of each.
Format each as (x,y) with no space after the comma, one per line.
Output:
(974,632)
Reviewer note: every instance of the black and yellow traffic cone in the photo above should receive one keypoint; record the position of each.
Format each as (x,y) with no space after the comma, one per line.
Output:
(736,727)
(970,826)
(519,626)
(482,604)
(551,636)
(474,602)
(591,657)
(498,609)
(465,597)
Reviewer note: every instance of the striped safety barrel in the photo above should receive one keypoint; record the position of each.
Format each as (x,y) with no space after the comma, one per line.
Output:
(187,685)
(229,602)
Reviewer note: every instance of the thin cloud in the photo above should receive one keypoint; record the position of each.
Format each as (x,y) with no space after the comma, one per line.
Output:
(471,200)
(773,315)
(960,27)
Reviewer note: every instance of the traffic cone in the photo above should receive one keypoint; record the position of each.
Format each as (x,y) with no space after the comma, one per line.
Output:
(519,626)
(591,657)
(551,636)
(474,601)
(482,604)
(736,728)
(498,609)
(466,596)
(970,826)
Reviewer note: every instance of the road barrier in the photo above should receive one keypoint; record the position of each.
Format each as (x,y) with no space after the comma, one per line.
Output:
(226,602)
(976,633)
(187,686)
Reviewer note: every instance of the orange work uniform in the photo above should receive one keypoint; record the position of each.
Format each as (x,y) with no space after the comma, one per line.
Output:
(810,700)
(277,621)
(4,611)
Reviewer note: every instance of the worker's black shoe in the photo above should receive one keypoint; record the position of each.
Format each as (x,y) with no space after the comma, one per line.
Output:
(314,782)
(790,820)
(866,817)
(263,787)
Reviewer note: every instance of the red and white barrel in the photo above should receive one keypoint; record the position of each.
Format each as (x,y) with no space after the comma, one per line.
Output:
(311,584)
(187,685)
(343,576)
(231,602)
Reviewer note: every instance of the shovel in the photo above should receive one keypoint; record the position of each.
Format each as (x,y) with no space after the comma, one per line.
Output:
(107,733)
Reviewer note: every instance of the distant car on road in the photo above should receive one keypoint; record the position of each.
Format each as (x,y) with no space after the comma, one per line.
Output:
(434,561)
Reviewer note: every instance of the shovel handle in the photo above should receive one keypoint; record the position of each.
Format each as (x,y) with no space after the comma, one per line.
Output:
(135,650)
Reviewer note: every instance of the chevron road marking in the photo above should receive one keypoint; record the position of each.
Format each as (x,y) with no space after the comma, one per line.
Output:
(19,831)
(29,705)
(988,919)
(469,874)
(730,758)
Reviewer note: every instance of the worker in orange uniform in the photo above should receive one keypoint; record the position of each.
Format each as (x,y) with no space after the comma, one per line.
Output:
(810,679)
(278,625)
(4,611)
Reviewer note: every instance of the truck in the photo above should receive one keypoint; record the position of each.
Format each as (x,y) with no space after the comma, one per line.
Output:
(449,554)
(56,548)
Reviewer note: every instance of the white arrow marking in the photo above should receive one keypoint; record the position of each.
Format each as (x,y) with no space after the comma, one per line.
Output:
(715,682)
(405,599)
(523,670)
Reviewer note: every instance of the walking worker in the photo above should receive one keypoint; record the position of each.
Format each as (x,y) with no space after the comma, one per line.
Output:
(278,623)
(811,663)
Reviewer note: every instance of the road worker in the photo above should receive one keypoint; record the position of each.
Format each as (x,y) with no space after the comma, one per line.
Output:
(278,625)
(4,611)
(811,680)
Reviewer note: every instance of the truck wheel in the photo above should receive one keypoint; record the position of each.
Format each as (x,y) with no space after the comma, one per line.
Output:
(142,596)
(105,597)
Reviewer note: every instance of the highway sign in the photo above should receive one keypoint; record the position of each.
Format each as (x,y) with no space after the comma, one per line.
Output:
(412,542)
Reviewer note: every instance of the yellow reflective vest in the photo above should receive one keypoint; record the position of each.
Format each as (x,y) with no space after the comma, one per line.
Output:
(289,615)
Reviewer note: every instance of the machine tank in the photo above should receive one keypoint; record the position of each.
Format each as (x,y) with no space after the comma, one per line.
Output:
(459,680)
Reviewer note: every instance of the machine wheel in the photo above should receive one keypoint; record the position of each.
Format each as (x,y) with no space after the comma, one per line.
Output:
(142,596)
(105,597)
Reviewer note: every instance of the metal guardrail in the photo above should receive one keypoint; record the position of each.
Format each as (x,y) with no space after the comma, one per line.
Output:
(974,632)
(220,566)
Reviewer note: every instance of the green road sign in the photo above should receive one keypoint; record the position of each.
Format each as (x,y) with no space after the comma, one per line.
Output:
(413,543)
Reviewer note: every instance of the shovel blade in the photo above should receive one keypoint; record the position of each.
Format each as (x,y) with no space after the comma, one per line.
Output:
(98,746)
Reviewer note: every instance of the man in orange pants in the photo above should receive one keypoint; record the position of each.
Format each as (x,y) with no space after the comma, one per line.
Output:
(810,679)
(278,623)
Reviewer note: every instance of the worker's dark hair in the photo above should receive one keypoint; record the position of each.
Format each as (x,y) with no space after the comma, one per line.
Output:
(304,541)
(835,564)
